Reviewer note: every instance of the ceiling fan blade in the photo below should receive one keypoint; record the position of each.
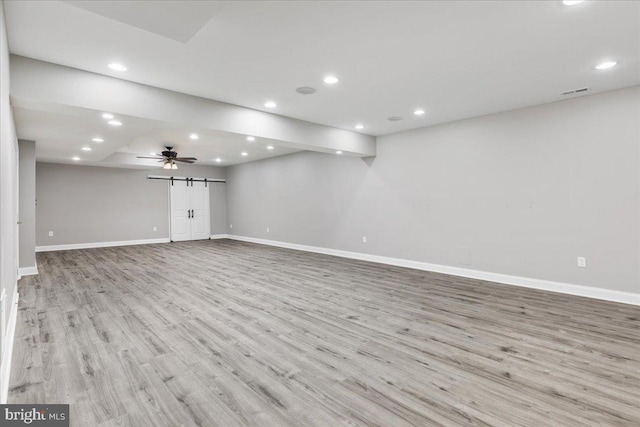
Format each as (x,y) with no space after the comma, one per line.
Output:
(186,158)
(143,157)
(184,161)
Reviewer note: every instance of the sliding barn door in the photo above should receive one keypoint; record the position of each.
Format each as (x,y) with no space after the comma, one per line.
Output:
(189,211)
(200,222)
(180,211)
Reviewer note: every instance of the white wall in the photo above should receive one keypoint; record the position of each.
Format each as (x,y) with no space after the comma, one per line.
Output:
(89,204)
(8,212)
(521,193)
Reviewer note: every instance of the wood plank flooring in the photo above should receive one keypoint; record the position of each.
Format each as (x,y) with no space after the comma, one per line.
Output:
(225,333)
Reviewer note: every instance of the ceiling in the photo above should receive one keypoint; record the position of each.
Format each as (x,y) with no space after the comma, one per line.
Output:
(454,59)
(61,136)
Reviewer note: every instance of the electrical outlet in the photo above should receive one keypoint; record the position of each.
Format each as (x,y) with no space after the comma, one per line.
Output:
(582,261)
(51,234)
(267,229)
(364,239)
(155,228)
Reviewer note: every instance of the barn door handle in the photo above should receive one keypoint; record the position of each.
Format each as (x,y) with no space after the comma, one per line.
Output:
(189,213)
(192,214)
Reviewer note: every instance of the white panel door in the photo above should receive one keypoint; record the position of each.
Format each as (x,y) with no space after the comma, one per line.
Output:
(200,221)
(180,211)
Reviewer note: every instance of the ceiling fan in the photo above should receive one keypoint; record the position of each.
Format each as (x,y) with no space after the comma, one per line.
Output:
(170,157)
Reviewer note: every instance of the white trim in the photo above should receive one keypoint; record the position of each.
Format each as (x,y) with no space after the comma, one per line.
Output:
(7,351)
(100,244)
(28,271)
(219,236)
(545,285)
(169,208)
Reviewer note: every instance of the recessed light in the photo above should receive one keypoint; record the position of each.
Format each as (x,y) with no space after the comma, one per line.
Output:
(114,123)
(269,147)
(605,65)
(107,116)
(244,153)
(218,160)
(117,67)
(153,154)
(359,126)
(194,136)
(331,80)
(97,139)
(418,112)
(571,2)
(86,148)
(75,158)
(251,138)
(338,152)
(270,104)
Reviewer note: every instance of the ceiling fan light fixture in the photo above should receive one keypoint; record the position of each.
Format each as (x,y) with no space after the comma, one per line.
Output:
(169,157)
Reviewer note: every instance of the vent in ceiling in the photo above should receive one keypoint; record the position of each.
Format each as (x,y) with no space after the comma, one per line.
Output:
(574,91)
(305,90)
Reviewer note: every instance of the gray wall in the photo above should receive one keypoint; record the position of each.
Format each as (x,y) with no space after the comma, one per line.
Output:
(218,208)
(86,204)
(523,193)
(27,197)
(8,186)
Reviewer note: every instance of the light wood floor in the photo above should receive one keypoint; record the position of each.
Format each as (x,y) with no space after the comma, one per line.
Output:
(223,333)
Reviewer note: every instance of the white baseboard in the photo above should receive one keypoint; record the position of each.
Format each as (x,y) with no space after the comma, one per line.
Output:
(219,236)
(28,271)
(545,285)
(100,244)
(7,352)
